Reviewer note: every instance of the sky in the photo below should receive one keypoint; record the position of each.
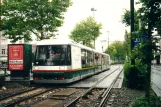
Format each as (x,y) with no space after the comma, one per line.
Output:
(108,12)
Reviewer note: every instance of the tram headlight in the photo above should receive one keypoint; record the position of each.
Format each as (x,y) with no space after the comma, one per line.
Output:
(36,68)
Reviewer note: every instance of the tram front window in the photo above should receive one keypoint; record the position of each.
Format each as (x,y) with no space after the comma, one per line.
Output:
(52,55)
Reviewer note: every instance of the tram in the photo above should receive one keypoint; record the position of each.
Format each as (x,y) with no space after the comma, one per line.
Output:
(65,61)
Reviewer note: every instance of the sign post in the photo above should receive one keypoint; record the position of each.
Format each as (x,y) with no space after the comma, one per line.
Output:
(20,61)
(15,57)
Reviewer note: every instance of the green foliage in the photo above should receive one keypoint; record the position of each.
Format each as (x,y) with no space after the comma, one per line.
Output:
(150,19)
(117,51)
(148,9)
(86,31)
(151,101)
(150,14)
(23,18)
(135,76)
(126,19)
(115,63)
(127,67)
(127,43)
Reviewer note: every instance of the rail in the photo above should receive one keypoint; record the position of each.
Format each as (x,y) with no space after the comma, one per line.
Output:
(105,95)
(71,104)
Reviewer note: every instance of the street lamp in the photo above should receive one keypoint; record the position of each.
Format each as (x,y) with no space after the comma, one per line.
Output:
(103,44)
(108,40)
(93,10)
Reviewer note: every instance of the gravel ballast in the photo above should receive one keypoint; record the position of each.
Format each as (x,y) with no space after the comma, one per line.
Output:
(125,96)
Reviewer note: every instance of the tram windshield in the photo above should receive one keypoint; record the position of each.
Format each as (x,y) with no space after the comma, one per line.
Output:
(53,55)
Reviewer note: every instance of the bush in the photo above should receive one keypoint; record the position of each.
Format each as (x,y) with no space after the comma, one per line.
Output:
(135,76)
(115,63)
(127,67)
(152,101)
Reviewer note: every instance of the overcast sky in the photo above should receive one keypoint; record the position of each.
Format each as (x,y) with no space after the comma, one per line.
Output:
(108,12)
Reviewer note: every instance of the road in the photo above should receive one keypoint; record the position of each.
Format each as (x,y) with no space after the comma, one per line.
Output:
(156,79)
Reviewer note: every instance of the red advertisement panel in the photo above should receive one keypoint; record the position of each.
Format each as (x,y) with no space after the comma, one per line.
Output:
(15,57)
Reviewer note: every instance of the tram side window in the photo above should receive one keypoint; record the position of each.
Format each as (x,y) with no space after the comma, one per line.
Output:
(103,60)
(96,58)
(89,58)
(41,53)
(68,62)
(83,57)
(106,60)
(99,59)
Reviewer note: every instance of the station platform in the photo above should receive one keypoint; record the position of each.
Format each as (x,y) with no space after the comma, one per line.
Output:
(86,83)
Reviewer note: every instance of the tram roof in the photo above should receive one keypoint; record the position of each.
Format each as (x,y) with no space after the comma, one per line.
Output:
(61,41)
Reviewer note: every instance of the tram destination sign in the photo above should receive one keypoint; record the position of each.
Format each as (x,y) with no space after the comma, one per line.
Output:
(15,57)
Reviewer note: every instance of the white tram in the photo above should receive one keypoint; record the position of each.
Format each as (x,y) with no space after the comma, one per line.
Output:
(65,61)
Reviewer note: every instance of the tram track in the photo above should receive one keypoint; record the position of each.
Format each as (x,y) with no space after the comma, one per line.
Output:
(13,100)
(13,92)
(107,97)
(101,98)
(63,97)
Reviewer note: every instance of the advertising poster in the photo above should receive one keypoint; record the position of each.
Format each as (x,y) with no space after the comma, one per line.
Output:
(15,57)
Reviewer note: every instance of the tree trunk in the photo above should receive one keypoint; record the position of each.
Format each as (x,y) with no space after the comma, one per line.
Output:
(41,36)
(149,56)
(148,82)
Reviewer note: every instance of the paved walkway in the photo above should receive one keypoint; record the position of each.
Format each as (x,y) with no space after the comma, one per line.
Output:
(156,79)
(104,84)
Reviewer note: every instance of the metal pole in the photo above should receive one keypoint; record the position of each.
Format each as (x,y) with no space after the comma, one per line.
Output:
(108,42)
(93,10)
(0,15)
(132,27)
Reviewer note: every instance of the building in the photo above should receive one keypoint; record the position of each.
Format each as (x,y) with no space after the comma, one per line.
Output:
(3,49)
(157,54)
(160,49)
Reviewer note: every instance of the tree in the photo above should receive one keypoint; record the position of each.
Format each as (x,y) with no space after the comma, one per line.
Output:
(150,13)
(126,19)
(127,43)
(23,18)
(112,51)
(86,31)
(150,17)
(117,51)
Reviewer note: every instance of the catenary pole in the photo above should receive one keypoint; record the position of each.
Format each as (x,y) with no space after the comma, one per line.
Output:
(132,28)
